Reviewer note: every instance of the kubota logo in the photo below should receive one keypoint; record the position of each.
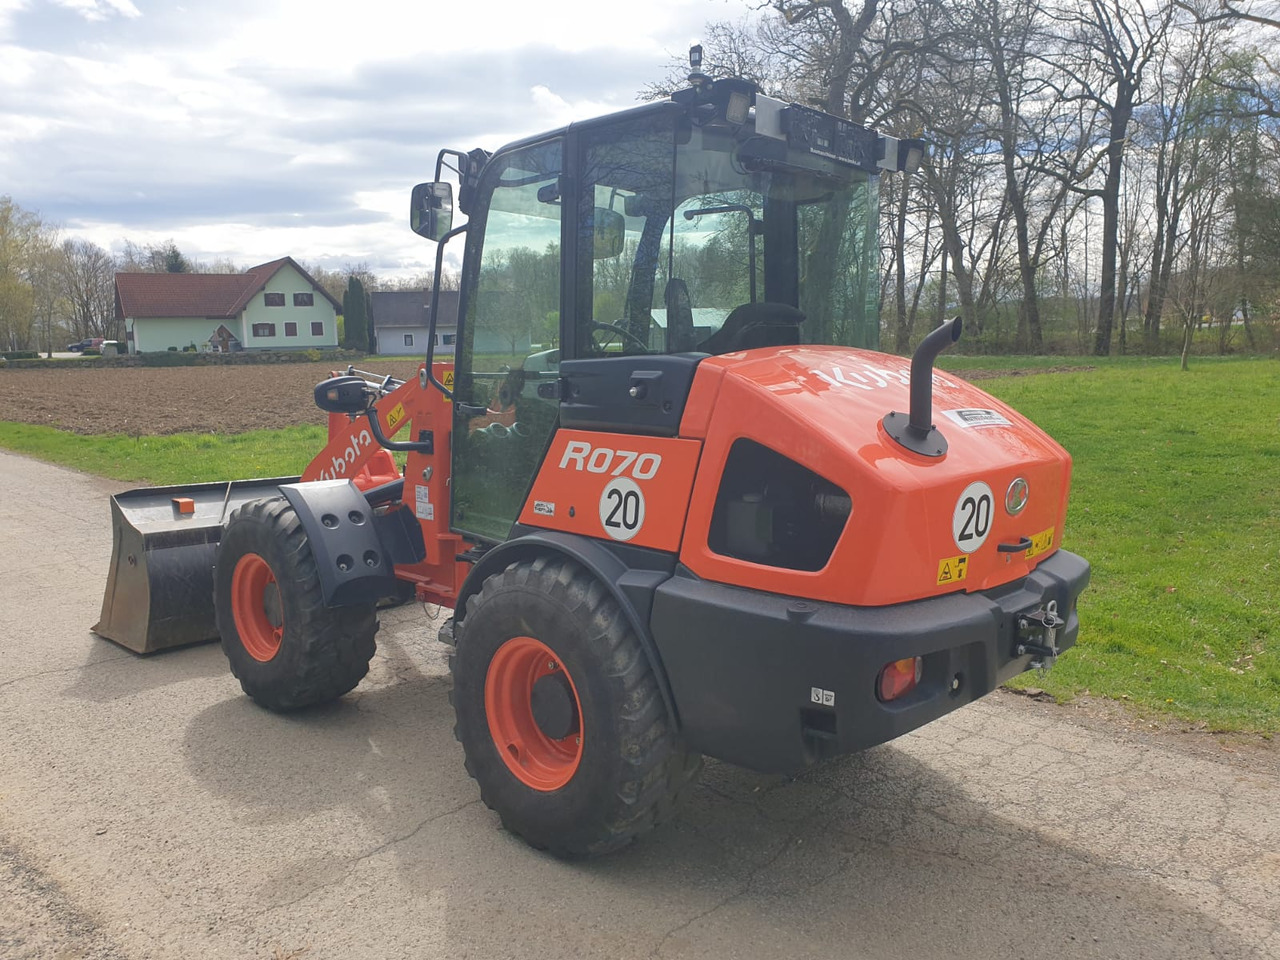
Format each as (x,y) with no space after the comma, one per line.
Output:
(867,377)
(359,443)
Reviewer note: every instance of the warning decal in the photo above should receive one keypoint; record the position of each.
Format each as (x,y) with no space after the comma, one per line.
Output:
(395,417)
(426,510)
(447,380)
(1041,542)
(952,570)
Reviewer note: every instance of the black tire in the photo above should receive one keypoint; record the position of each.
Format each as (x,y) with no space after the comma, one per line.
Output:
(320,652)
(633,768)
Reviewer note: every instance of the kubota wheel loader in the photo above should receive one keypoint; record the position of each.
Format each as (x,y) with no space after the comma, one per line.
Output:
(677,508)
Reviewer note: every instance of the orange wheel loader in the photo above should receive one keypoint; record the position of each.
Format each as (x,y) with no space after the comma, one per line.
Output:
(677,502)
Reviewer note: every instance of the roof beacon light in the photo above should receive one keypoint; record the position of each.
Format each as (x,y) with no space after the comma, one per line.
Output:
(696,77)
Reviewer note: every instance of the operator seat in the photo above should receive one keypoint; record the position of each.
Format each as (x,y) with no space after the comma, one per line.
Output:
(756,325)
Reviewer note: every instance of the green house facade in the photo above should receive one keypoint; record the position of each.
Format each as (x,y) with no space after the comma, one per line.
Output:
(273,306)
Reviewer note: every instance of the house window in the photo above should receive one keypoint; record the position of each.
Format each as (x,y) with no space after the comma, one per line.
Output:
(408,339)
(317,328)
(450,339)
(264,329)
(303,299)
(273,299)
(290,328)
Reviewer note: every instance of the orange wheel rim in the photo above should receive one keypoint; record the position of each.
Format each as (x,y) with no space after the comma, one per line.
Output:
(256,607)
(534,758)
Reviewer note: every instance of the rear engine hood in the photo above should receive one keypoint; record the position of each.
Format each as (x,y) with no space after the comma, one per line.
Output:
(919,526)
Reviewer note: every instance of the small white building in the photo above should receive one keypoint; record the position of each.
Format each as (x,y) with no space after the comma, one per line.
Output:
(401,322)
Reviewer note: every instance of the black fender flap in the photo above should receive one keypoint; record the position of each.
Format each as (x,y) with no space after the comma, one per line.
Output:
(354,563)
(631,574)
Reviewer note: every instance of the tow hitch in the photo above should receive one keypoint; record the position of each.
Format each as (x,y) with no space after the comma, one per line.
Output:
(1037,635)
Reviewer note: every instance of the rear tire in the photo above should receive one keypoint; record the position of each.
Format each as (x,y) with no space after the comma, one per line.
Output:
(602,764)
(287,649)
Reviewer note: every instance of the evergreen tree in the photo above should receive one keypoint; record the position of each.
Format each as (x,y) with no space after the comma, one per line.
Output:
(173,259)
(355,313)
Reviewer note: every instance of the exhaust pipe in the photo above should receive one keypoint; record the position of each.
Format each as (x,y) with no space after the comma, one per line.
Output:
(916,431)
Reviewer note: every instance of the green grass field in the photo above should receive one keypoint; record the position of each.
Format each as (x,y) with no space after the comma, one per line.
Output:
(1175,503)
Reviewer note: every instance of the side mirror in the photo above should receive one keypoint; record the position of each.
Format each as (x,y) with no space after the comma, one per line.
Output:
(610,233)
(431,210)
(342,395)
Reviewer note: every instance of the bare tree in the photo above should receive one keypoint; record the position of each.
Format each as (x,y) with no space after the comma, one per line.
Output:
(87,275)
(1107,48)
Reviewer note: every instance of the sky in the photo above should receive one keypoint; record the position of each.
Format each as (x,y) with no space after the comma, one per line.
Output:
(254,129)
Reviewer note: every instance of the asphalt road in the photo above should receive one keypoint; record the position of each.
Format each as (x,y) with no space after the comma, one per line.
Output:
(149,810)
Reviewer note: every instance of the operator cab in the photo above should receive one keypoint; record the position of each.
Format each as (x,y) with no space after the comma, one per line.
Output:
(717,221)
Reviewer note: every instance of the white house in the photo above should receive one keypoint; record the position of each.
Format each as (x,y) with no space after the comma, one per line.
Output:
(273,306)
(401,321)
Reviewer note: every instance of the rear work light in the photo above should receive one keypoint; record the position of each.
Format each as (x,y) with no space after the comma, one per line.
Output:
(899,678)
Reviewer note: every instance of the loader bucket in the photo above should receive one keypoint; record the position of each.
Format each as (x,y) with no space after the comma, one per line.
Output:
(163,544)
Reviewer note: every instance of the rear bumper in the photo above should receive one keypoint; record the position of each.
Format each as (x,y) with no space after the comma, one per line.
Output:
(744,665)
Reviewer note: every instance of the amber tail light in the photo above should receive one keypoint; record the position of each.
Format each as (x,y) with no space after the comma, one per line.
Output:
(899,678)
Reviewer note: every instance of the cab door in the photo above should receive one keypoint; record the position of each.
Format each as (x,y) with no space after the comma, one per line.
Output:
(509,339)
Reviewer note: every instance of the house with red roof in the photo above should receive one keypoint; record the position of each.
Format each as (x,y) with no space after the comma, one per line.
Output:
(273,306)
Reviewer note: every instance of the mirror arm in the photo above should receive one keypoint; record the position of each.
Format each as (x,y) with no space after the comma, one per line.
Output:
(435,304)
(447,152)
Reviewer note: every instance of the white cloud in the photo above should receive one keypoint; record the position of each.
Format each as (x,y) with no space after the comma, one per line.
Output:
(555,111)
(100,9)
(251,129)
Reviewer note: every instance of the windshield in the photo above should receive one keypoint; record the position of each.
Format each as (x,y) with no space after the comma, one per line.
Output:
(718,225)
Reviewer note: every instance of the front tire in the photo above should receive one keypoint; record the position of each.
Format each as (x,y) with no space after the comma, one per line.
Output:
(287,649)
(559,712)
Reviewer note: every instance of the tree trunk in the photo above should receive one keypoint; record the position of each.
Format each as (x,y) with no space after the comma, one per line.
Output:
(902,333)
(1111,218)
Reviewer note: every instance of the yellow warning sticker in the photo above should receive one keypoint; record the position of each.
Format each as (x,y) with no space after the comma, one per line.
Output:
(448,380)
(395,417)
(1040,543)
(953,569)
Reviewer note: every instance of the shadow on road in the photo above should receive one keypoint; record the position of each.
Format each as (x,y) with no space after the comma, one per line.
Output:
(876,855)
(132,674)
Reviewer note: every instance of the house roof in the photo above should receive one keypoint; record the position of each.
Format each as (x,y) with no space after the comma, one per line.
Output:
(399,308)
(221,295)
(410,308)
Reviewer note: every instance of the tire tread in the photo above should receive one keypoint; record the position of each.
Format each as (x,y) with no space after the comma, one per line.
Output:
(333,645)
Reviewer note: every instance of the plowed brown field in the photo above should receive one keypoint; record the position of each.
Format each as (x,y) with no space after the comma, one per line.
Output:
(214,399)
(154,400)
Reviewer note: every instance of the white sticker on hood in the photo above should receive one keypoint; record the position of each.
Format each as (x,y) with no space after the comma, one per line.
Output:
(974,417)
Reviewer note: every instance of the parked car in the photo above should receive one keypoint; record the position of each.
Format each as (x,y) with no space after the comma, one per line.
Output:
(88,343)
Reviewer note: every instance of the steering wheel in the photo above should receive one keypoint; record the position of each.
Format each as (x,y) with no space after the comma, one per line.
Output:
(627,336)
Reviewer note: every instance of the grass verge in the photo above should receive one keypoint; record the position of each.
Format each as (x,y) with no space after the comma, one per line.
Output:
(175,458)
